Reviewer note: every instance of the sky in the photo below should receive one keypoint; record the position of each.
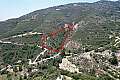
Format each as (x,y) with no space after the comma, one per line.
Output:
(16,8)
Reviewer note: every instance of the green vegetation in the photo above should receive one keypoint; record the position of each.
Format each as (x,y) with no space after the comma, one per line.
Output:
(77,76)
(29,39)
(113,60)
(57,41)
(12,53)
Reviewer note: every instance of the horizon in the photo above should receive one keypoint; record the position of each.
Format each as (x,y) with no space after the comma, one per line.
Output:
(15,9)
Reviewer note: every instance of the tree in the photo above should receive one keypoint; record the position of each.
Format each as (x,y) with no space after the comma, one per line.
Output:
(113,49)
(20,68)
(20,78)
(9,76)
(113,60)
(25,76)
(15,69)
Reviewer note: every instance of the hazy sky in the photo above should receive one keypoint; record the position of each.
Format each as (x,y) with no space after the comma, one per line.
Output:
(17,8)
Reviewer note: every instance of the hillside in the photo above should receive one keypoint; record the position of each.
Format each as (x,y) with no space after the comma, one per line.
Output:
(96,20)
(92,52)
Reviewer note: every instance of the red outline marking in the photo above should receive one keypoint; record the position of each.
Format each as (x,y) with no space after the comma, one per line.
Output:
(69,28)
